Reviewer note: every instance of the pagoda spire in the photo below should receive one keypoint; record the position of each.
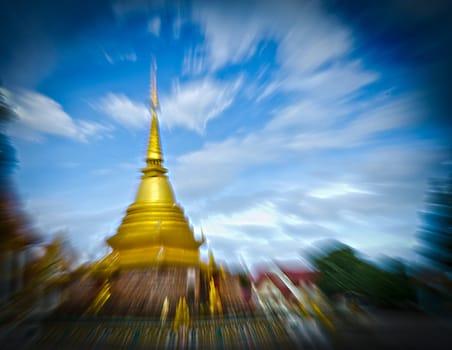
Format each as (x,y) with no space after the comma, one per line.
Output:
(155,230)
(154,156)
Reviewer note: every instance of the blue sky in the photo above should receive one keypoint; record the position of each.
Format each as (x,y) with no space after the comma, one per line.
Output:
(282,123)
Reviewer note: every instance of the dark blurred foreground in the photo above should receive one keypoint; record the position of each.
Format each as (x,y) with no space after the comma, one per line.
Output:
(396,330)
(377,330)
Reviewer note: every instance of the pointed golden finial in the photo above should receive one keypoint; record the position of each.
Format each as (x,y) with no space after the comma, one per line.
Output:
(203,237)
(154,157)
(214,299)
(165,309)
(212,263)
(154,95)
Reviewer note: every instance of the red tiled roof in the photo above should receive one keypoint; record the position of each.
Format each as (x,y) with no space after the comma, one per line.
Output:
(294,275)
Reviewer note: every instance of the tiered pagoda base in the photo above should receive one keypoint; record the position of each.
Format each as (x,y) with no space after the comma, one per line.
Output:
(142,292)
(139,292)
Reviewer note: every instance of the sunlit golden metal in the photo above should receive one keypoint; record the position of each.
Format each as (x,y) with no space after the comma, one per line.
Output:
(212,267)
(155,230)
(182,317)
(100,300)
(165,309)
(215,306)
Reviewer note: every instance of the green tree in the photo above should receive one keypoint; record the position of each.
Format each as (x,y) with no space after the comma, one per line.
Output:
(342,271)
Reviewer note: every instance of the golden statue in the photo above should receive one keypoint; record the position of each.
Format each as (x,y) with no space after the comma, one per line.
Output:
(165,309)
(212,267)
(182,317)
(214,299)
(100,300)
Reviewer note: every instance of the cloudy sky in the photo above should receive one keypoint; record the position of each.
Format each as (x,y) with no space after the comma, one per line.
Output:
(283,122)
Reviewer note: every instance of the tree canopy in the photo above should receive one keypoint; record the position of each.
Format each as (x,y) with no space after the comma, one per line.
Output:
(342,271)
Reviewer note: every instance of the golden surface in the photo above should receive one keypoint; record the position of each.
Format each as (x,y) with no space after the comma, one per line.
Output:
(154,148)
(215,306)
(182,317)
(165,309)
(155,229)
(100,300)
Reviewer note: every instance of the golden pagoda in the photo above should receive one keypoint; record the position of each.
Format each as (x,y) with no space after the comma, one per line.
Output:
(154,270)
(154,230)
(155,259)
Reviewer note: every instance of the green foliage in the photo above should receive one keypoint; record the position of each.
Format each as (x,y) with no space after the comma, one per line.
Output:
(342,272)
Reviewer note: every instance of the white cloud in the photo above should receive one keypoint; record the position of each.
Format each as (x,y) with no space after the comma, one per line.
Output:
(261,214)
(190,105)
(362,198)
(177,24)
(108,58)
(307,36)
(315,38)
(388,116)
(131,56)
(268,89)
(301,129)
(194,61)
(231,35)
(39,115)
(337,189)
(217,164)
(323,84)
(114,58)
(154,26)
(311,47)
(375,209)
(306,114)
(123,110)
(193,104)
(255,231)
